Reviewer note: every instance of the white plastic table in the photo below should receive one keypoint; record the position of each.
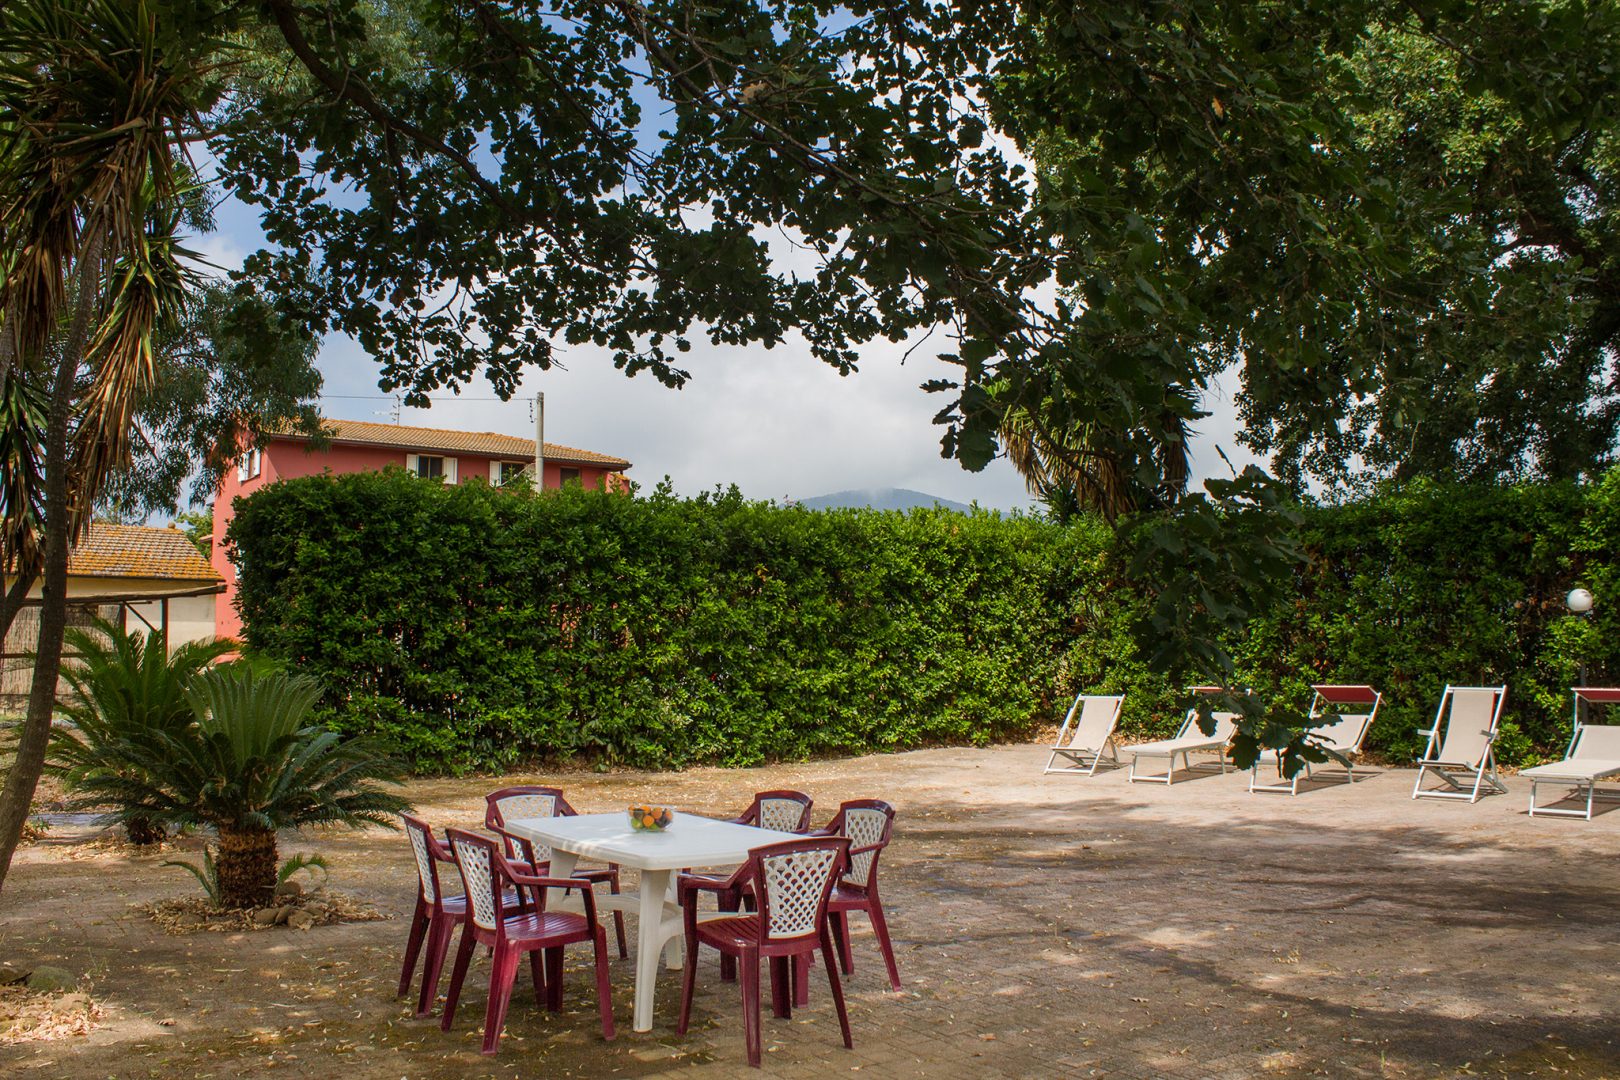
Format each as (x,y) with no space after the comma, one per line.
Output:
(688,842)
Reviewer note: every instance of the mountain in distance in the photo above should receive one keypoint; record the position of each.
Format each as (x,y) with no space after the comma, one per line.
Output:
(880,499)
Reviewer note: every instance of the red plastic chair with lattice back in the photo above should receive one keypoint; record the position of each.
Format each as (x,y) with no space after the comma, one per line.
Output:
(436,915)
(791,882)
(534,801)
(867,824)
(782,810)
(485,874)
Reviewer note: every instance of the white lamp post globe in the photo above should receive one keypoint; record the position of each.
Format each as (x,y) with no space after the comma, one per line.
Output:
(1579,601)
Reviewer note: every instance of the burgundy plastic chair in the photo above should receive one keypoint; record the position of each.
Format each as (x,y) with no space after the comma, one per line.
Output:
(792,881)
(485,874)
(868,825)
(436,915)
(782,810)
(532,801)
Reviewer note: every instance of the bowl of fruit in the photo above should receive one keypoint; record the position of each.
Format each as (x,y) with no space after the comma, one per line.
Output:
(651,818)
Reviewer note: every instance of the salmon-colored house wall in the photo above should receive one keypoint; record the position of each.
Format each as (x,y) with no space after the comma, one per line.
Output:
(290,457)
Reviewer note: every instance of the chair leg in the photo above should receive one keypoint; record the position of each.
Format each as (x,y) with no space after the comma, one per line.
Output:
(537,972)
(801,978)
(880,927)
(846,951)
(750,996)
(728,901)
(688,984)
(554,968)
(457,976)
(604,991)
(438,946)
(781,988)
(618,918)
(837,989)
(501,977)
(413,946)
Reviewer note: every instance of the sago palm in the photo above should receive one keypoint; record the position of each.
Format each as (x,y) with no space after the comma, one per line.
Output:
(249,764)
(121,684)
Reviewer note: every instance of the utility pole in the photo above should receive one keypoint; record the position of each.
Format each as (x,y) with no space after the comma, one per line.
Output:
(539,442)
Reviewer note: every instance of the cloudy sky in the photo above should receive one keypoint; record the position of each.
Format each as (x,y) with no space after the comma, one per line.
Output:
(776,423)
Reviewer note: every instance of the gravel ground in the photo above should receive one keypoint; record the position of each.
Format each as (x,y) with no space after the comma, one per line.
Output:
(1046,925)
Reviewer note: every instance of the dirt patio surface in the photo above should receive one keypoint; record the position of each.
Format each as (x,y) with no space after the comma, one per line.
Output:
(1045,925)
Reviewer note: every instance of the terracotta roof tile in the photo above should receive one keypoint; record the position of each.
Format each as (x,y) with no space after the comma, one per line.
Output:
(138,551)
(491,443)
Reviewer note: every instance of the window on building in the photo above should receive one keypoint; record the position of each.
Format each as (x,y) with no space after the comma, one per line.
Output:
(250,465)
(568,476)
(430,467)
(510,471)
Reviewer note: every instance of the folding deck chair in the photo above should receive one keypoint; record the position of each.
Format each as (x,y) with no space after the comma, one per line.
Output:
(1593,756)
(1339,731)
(1464,759)
(1190,740)
(1083,742)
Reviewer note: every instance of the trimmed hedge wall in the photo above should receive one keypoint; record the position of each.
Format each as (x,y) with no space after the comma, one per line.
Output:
(478,628)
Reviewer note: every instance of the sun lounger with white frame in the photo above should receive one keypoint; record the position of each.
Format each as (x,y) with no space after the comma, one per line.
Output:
(1342,732)
(1593,757)
(1189,741)
(1459,750)
(1083,741)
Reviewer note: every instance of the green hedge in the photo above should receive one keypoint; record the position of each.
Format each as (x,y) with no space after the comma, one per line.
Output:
(478,628)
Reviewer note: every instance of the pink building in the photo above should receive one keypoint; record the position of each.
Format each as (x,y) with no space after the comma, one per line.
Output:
(358,446)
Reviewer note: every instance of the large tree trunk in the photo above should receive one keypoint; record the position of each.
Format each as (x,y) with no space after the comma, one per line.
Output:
(17,797)
(246,866)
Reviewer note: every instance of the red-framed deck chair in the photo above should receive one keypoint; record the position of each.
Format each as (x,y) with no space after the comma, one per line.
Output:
(436,915)
(792,882)
(1592,758)
(1083,742)
(1460,751)
(485,875)
(534,801)
(868,824)
(1332,726)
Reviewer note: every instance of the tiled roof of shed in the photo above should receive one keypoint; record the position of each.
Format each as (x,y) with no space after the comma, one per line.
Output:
(443,440)
(138,551)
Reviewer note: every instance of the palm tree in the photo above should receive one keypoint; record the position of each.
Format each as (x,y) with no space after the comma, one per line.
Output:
(247,765)
(97,103)
(1074,466)
(123,684)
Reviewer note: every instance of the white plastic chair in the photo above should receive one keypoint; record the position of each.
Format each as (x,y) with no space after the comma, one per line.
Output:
(1464,760)
(1189,740)
(1593,756)
(1342,732)
(1082,742)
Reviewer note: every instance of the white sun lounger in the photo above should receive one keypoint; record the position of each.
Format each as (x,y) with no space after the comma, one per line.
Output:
(1189,741)
(1082,742)
(1464,759)
(1593,756)
(1343,732)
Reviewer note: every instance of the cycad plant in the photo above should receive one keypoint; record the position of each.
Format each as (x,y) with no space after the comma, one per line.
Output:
(123,683)
(248,765)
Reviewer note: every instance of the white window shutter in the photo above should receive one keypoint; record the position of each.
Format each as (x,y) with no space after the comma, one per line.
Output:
(494,474)
(449,470)
(412,465)
(241,469)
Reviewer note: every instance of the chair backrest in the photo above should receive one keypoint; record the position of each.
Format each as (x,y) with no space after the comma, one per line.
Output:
(483,876)
(427,867)
(1471,723)
(792,881)
(1597,742)
(866,823)
(525,801)
(784,811)
(1099,713)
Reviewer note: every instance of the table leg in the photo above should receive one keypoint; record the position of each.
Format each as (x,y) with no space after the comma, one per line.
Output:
(562,865)
(649,932)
